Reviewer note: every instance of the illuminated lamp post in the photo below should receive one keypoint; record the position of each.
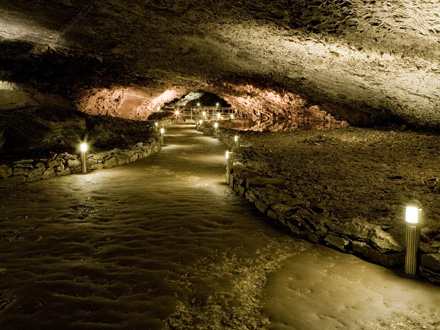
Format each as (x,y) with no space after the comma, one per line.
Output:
(412,218)
(219,115)
(162,132)
(229,165)
(236,141)
(156,124)
(83,148)
(177,114)
(232,116)
(215,128)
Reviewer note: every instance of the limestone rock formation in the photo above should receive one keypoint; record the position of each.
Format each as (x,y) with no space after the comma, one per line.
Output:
(365,61)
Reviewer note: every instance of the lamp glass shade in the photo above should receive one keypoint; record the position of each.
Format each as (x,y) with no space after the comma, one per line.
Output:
(83,147)
(412,214)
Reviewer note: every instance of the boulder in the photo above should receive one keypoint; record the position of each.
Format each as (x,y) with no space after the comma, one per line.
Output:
(12,181)
(134,157)
(65,171)
(337,242)
(74,163)
(122,159)
(5,171)
(386,259)
(36,174)
(21,170)
(59,168)
(48,174)
(361,229)
(97,166)
(110,162)
(430,267)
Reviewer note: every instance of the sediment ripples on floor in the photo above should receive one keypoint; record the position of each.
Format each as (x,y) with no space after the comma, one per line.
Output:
(162,243)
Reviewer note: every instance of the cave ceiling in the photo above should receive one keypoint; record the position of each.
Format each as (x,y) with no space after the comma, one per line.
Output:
(367,62)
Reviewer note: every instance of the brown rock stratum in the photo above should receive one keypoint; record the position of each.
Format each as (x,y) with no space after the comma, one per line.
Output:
(366,62)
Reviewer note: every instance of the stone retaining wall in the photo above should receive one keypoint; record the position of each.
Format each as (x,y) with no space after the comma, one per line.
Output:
(299,218)
(30,170)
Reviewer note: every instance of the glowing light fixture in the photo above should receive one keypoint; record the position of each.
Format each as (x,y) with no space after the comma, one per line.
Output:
(156,124)
(83,148)
(232,116)
(236,141)
(218,115)
(200,122)
(215,125)
(204,113)
(217,104)
(162,132)
(412,215)
(198,104)
(229,165)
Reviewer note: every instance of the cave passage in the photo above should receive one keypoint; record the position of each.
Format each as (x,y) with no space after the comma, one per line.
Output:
(163,243)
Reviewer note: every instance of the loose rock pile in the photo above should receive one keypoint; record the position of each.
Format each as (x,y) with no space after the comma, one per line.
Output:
(30,170)
(379,239)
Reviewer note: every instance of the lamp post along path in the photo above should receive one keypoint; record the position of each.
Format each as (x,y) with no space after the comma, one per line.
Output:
(412,237)
(229,165)
(236,141)
(83,148)
(162,132)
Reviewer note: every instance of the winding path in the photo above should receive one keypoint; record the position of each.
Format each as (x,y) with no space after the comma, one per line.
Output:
(163,243)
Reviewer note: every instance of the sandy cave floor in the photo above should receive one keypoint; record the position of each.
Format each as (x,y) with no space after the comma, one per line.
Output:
(163,243)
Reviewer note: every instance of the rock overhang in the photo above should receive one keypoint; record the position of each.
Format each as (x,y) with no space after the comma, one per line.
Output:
(367,62)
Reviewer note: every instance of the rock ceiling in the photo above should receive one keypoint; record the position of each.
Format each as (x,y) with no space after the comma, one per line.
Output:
(363,61)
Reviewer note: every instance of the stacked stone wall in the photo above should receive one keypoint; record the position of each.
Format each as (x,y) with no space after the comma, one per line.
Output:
(300,219)
(31,170)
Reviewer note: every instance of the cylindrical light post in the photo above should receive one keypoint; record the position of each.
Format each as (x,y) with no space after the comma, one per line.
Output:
(236,141)
(83,147)
(215,128)
(229,165)
(412,216)
(162,132)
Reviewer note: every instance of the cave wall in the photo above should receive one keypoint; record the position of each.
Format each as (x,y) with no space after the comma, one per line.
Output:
(364,61)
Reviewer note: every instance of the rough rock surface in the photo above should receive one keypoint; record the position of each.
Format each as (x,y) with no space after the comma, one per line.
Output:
(345,188)
(363,61)
(38,130)
(30,170)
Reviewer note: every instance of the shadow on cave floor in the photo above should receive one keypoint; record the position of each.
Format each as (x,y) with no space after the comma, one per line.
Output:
(163,243)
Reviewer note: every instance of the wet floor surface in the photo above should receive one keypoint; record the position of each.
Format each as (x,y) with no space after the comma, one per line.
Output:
(163,243)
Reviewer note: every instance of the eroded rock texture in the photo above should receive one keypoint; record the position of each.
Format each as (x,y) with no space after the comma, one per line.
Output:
(363,61)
